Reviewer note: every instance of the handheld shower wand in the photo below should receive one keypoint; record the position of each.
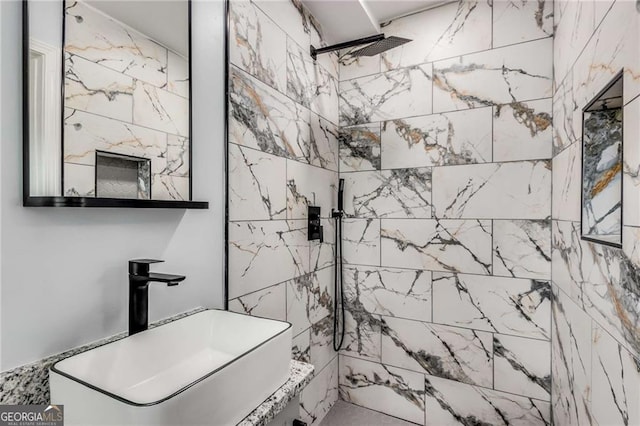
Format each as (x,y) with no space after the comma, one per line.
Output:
(338,300)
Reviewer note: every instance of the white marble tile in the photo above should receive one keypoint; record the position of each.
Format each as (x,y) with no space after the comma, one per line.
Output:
(614,46)
(569,271)
(361,331)
(360,148)
(450,30)
(522,248)
(522,366)
(79,180)
(310,186)
(631,244)
(262,118)
(631,166)
(514,306)
(391,292)
(321,253)
(177,156)
(290,16)
(309,84)
(257,185)
(450,352)
(461,137)
(301,347)
(161,110)
(309,299)
(439,245)
(567,116)
(101,39)
(566,184)
(178,75)
(517,21)
(361,241)
(394,391)
(522,131)
(324,143)
(398,193)
(96,89)
(257,45)
(360,66)
(570,362)
(452,403)
(165,187)
(319,395)
(85,133)
(322,343)
(616,382)
(254,249)
(394,94)
(510,74)
(574,21)
(267,303)
(518,190)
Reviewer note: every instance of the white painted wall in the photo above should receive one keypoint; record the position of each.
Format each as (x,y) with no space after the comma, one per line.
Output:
(64,271)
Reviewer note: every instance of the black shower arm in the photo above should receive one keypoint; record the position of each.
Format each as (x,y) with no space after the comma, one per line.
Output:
(371,39)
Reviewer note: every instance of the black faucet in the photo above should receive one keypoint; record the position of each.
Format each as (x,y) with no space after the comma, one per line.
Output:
(139,279)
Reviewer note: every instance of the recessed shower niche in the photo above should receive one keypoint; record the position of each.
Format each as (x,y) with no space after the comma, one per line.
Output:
(602,166)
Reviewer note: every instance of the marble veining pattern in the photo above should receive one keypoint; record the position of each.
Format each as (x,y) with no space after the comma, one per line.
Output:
(518,190)
(437,245)
(462,137)
(517,21)
(522,248)
(514,306)
(394,94)
(454,403)
(398,193)
(360,148)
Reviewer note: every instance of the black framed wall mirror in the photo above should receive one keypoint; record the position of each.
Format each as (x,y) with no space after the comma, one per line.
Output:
(107,103)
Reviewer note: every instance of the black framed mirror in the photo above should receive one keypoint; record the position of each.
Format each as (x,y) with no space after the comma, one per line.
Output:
(107,103)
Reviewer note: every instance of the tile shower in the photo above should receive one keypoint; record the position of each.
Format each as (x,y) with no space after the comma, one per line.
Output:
(469,293)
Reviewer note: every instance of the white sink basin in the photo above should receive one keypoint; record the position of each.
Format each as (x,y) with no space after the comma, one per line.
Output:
(210,368)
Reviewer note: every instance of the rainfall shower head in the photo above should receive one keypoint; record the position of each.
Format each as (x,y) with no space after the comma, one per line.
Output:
(380,46)
(376,44)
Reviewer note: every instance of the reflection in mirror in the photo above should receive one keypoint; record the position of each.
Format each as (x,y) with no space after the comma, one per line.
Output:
(125,104)
(602,166)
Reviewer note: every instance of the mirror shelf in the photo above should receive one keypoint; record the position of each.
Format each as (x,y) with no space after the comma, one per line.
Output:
(112,202)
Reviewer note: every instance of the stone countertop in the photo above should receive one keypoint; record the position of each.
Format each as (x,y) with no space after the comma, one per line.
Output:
(300,374)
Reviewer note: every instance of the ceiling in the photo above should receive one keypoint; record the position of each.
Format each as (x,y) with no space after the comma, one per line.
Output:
(169,24)
(344,20)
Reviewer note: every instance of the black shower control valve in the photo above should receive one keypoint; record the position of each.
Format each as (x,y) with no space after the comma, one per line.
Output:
(313,224)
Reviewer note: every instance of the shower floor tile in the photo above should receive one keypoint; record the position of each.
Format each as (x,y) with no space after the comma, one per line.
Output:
(345,414)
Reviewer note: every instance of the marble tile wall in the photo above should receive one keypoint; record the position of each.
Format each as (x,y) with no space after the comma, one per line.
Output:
(595,312)
(283,156)
(124,94)
(445,148)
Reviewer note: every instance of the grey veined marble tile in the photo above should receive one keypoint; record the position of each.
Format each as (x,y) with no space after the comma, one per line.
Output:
(391,390)
(401,193)
(522,248)
(361,241)
(257,45)
(517,21)
(450,352)
(309,299)
(268,303)
(453,403)
(462,137)
(518,190)
(513,306)
(571,362)
(616,382)
(360,148)
(450,30)
(438,245)
(393,94)
(499,76)
(264,119)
